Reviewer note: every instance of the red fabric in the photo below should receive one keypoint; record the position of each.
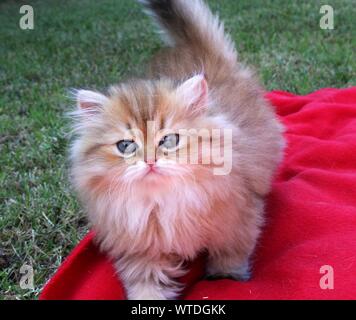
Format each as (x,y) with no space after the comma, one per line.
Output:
(311,217)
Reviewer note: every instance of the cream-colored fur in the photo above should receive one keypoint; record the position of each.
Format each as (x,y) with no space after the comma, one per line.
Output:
(150,223)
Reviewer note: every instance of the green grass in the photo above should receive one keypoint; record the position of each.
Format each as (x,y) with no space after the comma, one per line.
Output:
(93,44)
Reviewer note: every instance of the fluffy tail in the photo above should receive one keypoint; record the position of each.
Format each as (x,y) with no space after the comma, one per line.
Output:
(191,24)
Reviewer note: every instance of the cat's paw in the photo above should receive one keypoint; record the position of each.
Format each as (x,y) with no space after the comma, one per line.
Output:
(232,276)
(240,273)
(146,292)
(147,296)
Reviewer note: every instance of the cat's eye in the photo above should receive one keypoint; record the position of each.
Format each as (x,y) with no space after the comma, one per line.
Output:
(169,141)
(127,147)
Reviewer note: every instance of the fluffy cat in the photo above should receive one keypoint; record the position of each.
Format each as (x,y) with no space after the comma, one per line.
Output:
(149,211)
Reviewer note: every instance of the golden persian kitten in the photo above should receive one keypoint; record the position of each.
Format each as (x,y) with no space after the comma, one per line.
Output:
(143,159)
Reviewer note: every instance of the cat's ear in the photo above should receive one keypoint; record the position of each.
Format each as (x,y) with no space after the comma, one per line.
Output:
(90,100)
(194,93)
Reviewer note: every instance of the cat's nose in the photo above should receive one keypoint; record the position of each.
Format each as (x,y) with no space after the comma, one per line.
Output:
(151,167)
(150,160)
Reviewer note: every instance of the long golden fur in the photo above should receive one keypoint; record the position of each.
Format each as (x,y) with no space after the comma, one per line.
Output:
(150,223)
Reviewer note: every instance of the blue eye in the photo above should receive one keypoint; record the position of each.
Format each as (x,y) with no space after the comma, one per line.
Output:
(170,141)
(127,147)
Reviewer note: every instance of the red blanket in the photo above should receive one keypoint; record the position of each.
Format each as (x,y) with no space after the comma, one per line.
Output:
(308,248)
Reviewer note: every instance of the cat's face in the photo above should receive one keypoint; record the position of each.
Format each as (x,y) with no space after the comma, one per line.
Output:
(143,137)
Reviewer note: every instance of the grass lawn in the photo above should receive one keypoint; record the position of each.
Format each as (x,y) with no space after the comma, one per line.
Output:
(93,44)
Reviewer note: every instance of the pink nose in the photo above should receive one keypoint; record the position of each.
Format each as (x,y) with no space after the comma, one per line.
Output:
(151,166)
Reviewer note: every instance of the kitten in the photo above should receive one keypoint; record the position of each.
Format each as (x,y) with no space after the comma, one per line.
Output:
(149,210)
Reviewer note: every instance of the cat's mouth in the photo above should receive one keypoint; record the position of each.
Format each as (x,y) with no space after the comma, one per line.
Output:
(151,171)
